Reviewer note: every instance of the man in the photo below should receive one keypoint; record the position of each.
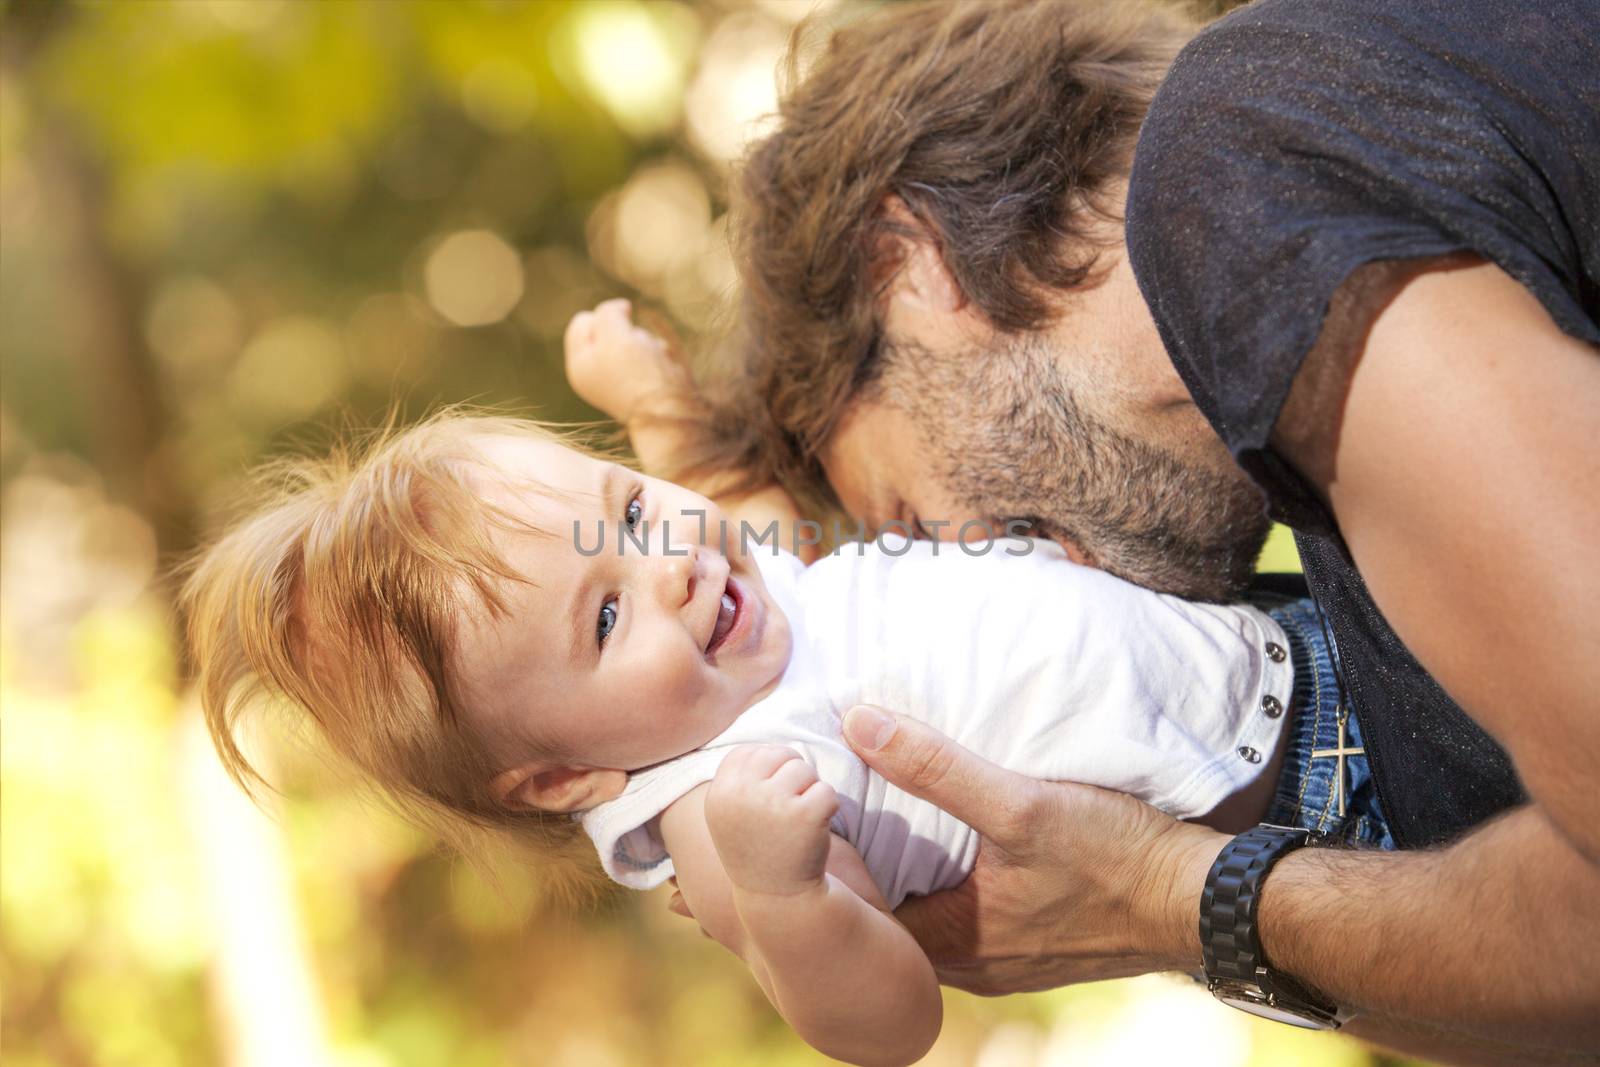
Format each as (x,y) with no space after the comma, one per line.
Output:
(1359,276)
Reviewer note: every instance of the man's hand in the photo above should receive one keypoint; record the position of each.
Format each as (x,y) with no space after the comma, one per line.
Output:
(1073,883)
(617,366)
(768,815)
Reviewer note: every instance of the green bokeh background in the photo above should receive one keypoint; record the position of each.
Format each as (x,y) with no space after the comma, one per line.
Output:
(229,227)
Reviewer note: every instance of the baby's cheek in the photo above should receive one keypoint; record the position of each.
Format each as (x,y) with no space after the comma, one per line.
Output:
(702,706)
(670,681)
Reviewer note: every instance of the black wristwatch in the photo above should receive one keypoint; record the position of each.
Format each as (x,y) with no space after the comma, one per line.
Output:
(1236,971)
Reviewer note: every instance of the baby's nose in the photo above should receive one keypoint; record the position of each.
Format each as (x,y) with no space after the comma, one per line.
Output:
(682,568)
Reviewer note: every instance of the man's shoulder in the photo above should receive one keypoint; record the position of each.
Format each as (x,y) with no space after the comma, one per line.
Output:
(1295,142)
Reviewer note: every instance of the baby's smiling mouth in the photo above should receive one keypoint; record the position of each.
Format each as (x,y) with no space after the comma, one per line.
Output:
(727,615)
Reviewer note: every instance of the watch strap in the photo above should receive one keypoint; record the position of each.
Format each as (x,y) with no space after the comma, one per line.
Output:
(1230,941)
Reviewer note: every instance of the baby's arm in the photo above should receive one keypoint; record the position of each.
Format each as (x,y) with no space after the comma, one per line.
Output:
(630,374)
(763,875)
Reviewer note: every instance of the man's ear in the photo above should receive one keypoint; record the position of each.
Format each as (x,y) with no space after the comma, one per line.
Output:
(913,270)
(544,787)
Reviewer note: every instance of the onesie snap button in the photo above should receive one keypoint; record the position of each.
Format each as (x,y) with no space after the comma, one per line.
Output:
(1272,706)
(1249,754)
(1275,652)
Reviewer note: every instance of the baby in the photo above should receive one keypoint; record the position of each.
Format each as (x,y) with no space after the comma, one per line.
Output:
(506,630)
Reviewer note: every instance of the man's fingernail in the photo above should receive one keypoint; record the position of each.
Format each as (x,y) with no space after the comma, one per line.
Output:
(868,727)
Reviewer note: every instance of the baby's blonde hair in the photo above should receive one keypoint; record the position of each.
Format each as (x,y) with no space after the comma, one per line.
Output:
(340,592)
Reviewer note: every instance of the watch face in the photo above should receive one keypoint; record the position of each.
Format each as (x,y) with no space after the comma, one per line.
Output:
(1267,1011)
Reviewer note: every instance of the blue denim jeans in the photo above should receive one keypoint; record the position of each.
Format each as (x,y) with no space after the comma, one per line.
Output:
(1307,787)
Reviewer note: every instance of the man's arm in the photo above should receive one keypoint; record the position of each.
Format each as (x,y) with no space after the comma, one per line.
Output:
(1075,883)
(1452,428)
(1496,936)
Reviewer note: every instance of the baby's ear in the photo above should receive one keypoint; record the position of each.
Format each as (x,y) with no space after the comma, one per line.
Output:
(546,788)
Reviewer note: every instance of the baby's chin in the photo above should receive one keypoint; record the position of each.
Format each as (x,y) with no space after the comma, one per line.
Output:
(778,641)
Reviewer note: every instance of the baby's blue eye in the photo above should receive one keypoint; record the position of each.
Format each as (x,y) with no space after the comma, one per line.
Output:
(633,514)
(607,621)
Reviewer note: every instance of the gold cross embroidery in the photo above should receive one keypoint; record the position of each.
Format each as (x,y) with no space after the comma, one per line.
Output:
(1339,753)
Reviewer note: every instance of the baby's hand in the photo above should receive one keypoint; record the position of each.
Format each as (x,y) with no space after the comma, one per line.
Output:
(768,814)
(616,365)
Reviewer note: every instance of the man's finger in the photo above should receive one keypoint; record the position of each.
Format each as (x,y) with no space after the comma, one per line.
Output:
(927,764)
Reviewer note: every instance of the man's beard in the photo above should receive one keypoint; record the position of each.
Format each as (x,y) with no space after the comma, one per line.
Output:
(1010,441)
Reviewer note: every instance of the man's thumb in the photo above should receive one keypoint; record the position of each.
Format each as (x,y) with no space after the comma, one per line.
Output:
(927,764)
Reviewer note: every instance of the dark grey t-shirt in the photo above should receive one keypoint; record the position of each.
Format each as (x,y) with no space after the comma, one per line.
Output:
(1296,140)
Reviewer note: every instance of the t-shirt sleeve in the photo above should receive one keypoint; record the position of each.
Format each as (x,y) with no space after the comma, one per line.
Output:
(1294,142)
(629,852)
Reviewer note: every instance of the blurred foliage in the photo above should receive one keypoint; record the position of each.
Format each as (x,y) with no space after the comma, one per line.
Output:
(230,226)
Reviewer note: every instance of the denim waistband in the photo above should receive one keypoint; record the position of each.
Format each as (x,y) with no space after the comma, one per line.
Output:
(1307,793)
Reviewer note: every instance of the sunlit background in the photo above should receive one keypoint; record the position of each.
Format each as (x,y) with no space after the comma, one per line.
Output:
(228,227)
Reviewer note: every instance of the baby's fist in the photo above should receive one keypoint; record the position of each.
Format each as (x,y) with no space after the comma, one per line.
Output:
(768,813)
(615,365)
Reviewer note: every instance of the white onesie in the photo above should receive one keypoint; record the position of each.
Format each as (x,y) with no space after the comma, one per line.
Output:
(1042,666)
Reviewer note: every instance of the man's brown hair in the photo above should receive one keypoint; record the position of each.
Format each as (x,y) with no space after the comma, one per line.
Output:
(997,124)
